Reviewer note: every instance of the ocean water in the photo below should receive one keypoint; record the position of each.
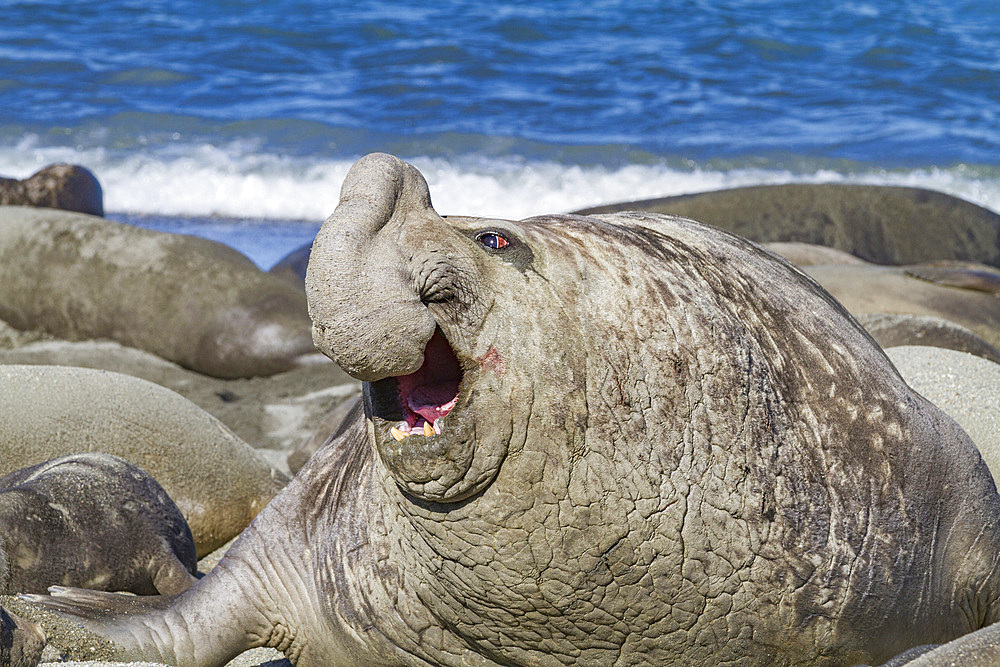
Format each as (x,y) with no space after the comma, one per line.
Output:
(238,120)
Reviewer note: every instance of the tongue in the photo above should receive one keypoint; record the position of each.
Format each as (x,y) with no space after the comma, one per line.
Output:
(432,402)
(432,391)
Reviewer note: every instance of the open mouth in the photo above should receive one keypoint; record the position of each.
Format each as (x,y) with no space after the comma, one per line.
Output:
(429,394)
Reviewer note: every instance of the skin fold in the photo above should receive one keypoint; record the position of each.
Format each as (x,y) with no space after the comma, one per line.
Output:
(666,447)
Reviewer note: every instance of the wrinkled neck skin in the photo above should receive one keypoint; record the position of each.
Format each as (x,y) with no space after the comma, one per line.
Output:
(658,453)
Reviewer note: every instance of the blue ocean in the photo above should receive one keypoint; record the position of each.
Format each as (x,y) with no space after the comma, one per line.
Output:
(237,120)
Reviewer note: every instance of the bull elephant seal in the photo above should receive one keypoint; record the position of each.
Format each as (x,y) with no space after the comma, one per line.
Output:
(623,439)
(192,301)
(966,387)
(21,642)
(64,186)
(218,482)
(91,520)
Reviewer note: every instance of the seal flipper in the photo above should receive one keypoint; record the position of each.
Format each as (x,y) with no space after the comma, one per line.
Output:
(169,575)
(174,629)
(232,609)
(93,605)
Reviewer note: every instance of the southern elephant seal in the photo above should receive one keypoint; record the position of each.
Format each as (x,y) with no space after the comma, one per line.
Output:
(218,482)
(917,287)
(623,439)
(21,641)
(895,330)
(192,301)
(883,224)
(64,186)
(92,520)
(810,254)
(273,413)
(332,425)
(870,288)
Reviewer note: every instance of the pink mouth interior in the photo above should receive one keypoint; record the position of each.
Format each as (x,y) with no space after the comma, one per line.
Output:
(432,391)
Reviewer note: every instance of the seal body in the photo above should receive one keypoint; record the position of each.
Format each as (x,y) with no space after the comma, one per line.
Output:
(915,290)
(64,186)
(192,301)
(882,224)
(218,482)
(94,521)
(21,642)
(625,439)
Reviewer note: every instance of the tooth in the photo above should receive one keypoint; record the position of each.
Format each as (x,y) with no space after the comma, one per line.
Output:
(428,430)
(397,434)
(437,426)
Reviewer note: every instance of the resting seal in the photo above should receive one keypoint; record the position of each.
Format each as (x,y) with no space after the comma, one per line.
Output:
(192,301)
(869,289)
(218,482)
(64,186)
(624,439)
(883,224)
(92,520)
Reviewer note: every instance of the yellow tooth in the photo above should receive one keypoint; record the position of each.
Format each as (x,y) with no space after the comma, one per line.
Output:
(397,434)
(428,430)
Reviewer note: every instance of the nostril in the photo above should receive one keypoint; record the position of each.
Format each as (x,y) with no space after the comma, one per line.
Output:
(435,282)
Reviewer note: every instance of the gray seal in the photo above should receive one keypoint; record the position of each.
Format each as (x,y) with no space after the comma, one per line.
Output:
(92,520)
(622,439)
(68,187)
(894,330)
(883,224)
(218,482)
(966,387)
(192,301)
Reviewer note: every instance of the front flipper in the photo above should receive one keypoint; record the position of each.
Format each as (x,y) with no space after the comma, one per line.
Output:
(96,605)
(106,614)
(230,610)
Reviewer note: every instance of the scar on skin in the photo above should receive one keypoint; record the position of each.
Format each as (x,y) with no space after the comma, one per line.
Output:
(493,361)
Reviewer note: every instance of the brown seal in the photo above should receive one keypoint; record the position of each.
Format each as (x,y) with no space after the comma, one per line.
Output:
(218,482)
(64,186)
(192,301)
(883,224)
(92,520)
(870,288)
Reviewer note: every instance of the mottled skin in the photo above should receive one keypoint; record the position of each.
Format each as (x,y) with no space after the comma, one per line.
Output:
(669,447)
(64,186)
(91,520)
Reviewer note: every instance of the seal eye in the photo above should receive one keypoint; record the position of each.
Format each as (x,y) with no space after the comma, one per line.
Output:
(492,240)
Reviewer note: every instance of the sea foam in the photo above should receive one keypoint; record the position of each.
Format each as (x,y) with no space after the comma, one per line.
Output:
(234,180)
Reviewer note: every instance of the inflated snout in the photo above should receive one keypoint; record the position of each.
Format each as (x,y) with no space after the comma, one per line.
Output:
(367,316)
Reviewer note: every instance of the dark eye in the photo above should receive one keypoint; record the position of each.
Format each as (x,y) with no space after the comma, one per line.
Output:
(492,240)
